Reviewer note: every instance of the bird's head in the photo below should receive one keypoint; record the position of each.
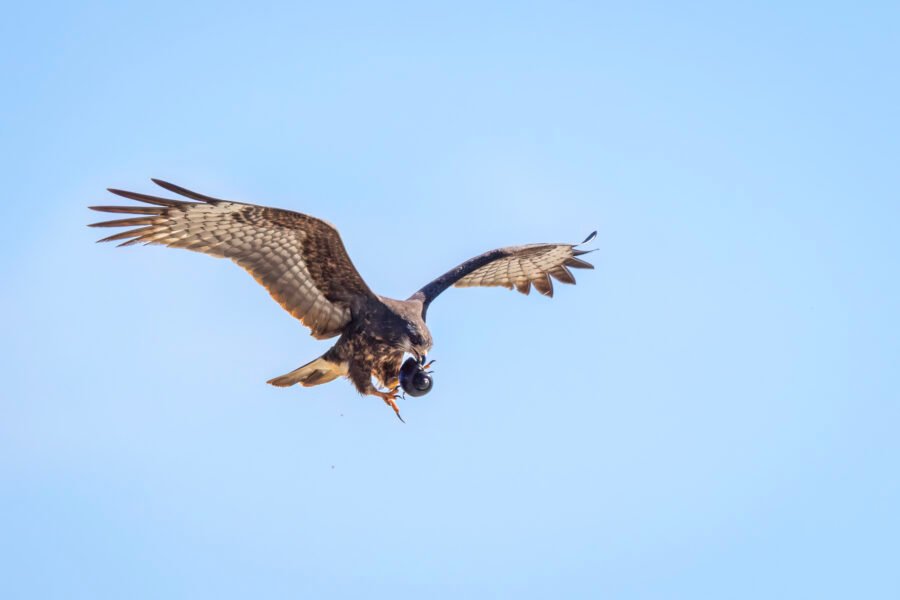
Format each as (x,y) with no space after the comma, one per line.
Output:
(418,340)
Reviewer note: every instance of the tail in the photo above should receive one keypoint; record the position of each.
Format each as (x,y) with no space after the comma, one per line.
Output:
(316,372)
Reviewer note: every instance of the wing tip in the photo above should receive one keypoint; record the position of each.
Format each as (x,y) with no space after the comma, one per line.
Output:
(181,191)
(577,263)
(162,183)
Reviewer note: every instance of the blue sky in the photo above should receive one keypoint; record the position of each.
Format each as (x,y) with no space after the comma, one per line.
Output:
(710,413)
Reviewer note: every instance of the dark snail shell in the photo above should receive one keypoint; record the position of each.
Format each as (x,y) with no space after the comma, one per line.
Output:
(413,378)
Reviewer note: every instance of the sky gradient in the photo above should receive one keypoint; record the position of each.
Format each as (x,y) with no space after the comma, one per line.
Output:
(711,413)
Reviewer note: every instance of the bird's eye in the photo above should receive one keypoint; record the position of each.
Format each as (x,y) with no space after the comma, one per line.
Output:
(413,378)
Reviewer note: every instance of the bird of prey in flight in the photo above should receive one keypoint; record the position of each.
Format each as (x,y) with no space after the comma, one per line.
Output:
(302,262)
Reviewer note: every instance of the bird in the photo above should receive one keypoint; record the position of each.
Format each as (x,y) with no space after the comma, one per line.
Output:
(303,264)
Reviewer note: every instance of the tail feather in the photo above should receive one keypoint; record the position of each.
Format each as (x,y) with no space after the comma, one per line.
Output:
(316,372)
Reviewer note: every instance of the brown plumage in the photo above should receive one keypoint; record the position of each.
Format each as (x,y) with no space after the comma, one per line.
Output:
(302,262)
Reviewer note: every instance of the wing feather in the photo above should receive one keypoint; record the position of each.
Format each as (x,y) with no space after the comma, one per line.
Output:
(514,267)
(299,259)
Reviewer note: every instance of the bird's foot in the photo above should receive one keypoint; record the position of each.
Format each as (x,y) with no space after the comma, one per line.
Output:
(390,398)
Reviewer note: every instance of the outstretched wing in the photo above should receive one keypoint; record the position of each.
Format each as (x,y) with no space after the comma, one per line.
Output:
(299,259)
(517,267)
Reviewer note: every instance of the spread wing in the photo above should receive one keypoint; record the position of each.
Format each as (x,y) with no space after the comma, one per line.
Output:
(299,259)
(517,267)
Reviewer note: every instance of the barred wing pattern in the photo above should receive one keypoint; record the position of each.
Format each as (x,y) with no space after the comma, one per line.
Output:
(517,267)
(299,259)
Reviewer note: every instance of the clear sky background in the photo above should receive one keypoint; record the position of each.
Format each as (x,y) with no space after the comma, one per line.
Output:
(711,413)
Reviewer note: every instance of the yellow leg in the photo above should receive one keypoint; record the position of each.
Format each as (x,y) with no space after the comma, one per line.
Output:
(390,398)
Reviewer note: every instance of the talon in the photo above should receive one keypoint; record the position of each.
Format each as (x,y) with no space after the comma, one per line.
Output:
(431,362)
(396,408)
(390,399)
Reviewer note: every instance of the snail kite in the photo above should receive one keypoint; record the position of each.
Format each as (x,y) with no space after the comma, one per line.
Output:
(302,262)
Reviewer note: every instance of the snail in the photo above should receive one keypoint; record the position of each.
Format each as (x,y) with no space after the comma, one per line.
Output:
(414,379)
